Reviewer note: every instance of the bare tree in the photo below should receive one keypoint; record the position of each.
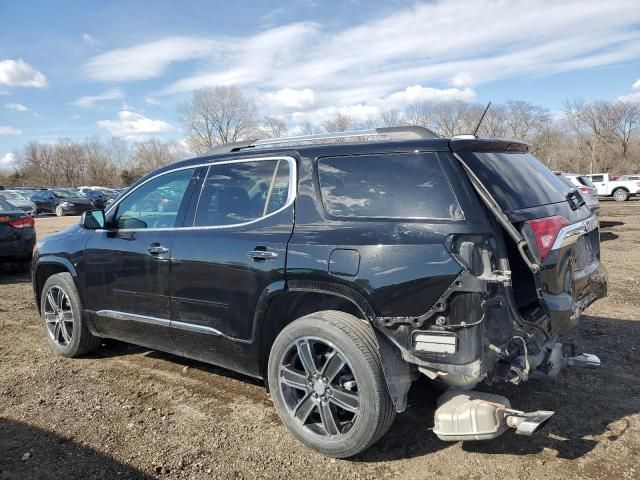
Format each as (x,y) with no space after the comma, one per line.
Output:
(392,117)
(339,123)
(218,115)
(419,114)
(274,127)
(309,128)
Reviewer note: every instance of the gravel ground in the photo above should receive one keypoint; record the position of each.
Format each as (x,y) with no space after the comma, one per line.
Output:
(127,412)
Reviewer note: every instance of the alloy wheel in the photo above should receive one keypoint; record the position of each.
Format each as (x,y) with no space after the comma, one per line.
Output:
(319,388)
(58,316)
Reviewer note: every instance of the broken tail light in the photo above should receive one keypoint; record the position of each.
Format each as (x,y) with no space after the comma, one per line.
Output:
(545,231)
(24,222)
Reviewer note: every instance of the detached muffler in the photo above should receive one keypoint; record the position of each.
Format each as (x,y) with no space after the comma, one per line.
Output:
(482,416)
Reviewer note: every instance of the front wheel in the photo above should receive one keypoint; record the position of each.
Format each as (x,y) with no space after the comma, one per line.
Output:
(620,195)
(61,311)
(327,384)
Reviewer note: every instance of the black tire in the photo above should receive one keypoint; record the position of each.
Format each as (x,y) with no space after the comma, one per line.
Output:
(355,342)
(81,341)
(620,195)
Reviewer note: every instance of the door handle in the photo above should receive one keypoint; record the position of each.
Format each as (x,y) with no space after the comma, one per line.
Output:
(262,255)
(157,249)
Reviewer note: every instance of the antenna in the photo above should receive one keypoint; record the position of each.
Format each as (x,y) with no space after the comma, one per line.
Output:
(481,119)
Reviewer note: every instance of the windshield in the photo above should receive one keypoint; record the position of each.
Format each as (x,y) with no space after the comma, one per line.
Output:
(65,194)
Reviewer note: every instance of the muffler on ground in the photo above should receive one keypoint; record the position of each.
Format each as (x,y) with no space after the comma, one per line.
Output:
(482,416)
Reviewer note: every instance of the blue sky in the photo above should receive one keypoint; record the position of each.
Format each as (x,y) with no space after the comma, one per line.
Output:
(78,69)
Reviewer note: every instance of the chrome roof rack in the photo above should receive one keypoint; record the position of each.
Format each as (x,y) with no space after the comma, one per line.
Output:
(388,133)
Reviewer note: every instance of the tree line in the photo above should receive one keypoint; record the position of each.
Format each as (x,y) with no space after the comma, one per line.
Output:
(586,137)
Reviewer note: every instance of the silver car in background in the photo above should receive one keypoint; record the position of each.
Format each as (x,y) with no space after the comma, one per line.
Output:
(587,190)
(19,200)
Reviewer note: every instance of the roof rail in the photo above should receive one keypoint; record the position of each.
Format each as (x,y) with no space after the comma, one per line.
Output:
(392,133)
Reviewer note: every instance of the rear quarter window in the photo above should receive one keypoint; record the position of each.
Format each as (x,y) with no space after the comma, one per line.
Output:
(402,186)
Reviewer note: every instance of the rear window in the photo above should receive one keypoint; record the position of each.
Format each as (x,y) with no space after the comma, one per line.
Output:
(407,186)
(517,180)
(5,206)
(586,182)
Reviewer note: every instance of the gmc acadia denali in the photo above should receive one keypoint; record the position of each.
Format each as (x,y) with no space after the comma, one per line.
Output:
(339,272)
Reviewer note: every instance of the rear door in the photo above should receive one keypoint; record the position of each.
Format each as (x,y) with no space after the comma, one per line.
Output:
(232,249)
(562,234)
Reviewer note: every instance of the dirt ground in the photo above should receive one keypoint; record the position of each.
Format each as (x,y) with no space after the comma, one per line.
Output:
(126,412)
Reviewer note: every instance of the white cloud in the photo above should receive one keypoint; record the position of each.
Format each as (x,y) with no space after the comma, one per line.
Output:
(636,85)
(462,80)
(151,101)
(90,100)
(18,73)
(18,107)
(131,124)
(5,130)
(384,55)
(630,98)
(418,93)
(8,160)
(146,60)
(89,39)
(291,99)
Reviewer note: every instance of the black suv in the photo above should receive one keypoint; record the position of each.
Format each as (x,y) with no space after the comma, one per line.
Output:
(63,202)
(338,273)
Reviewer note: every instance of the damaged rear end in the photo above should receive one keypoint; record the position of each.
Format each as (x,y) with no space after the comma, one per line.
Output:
(520,288)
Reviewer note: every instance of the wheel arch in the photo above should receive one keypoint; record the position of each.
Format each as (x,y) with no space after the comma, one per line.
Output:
(282,306)
(45,268)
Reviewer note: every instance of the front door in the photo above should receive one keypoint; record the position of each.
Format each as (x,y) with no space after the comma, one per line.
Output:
(234,249)
(127,265)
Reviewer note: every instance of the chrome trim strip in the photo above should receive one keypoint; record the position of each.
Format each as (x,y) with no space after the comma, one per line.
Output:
(293,182)
(134,317)
(192,327)
(571,232)
(189,327)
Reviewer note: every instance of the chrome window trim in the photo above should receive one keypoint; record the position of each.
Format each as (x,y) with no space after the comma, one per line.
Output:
(292,194)
(571,232)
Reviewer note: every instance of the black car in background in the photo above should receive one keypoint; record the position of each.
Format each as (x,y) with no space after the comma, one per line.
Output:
(17,236)
(98,198)
(63,202)
(339,273)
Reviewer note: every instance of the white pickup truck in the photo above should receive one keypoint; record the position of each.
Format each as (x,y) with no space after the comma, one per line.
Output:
(620,190)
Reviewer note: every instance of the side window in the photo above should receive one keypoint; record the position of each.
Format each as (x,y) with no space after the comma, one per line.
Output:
(597,178)
(156,203)
(241,192)
(387,186)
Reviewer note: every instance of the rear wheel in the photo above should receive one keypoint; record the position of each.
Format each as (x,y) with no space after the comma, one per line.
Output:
(61,312)
(59,211)
(327,383)
(620,195)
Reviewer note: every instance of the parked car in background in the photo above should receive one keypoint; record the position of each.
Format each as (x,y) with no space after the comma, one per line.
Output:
(17,236)
(339,273)
(98,198)
(587,190)
(620,190)
(629,177)
(20,200)
(61,202)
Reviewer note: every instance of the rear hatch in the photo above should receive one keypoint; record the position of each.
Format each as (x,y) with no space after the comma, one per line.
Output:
(561,232)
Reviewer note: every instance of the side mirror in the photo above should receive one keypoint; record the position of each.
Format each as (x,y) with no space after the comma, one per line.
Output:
(93,219)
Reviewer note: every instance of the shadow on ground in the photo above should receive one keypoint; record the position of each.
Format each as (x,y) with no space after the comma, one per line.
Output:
(53,457)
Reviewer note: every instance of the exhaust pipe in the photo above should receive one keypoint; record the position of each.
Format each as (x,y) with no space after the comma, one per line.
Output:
(463,416)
